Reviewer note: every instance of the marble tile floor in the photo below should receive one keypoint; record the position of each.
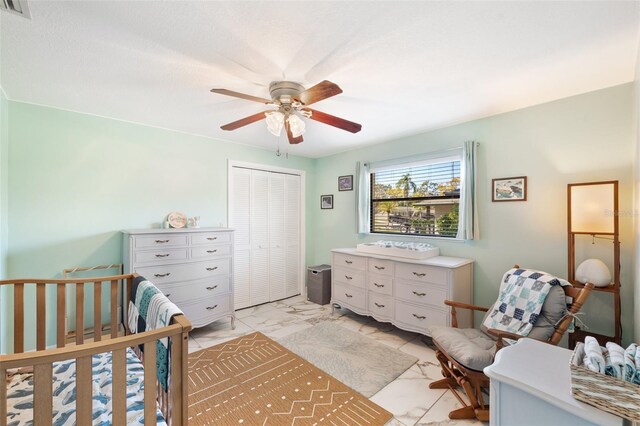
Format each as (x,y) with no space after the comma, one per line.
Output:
(408,397)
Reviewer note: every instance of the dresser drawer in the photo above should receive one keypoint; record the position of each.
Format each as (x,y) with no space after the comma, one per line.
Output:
(422,273)
(160,240)
(186,271)
(380,284)
(419,317)
(206,310)
(381,266)
(195,290)
(381,305)
(353,262)
(159,256)
(351,296)
(210,238)
(210,251)
(350,277)
(431,294)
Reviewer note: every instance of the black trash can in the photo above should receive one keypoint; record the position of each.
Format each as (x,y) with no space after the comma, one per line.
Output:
(319,284)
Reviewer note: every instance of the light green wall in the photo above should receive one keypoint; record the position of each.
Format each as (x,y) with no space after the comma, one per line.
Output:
(582,138)
(4,158)
(76,180)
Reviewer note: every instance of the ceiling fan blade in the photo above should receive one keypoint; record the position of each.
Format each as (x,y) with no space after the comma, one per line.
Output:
(334,121)
(241,96)
(292,140)
(320,91)
(244,121)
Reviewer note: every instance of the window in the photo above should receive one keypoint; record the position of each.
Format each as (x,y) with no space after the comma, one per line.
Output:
(419,198)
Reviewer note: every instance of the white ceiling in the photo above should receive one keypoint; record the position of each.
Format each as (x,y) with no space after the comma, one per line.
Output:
(404,67)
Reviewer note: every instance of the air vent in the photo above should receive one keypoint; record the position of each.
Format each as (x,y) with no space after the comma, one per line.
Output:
(18,7)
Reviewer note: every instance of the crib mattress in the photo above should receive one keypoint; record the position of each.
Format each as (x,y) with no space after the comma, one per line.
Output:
(20,393)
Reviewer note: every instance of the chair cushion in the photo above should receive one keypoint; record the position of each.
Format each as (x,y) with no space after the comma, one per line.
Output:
(469,346)
(553,309)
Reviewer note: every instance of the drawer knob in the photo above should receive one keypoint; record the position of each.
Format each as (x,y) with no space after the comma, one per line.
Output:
(162,241)
(212,288)
(212,238)
(419,274)
(419,294)
(162,275)
(211,308)
(378,285)
(348,277)
(211,251)
(348,295)
(162,255)
(379,268)
(348,262)
(378,305)
(420,317)
(212,269)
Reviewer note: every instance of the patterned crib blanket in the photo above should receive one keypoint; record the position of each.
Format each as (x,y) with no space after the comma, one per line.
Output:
(20,393)
(149,309)
(521,299)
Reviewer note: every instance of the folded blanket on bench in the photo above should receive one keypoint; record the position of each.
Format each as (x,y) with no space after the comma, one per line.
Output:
(149,309)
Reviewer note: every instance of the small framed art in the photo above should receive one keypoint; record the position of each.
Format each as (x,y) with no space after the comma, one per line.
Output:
(509,189)
(345,183)
(326,202)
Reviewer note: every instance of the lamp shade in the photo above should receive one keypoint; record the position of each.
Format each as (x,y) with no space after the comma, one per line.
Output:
(592,208)
(593,271)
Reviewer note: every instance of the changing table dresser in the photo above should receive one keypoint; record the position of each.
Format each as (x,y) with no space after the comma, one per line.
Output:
(193,267)
(408,293)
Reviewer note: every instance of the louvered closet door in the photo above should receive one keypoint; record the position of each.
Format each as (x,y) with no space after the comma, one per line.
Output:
(292,239)
(239,220)
(259,265)
(277,236)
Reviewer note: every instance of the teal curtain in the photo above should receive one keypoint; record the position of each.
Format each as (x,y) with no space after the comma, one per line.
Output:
(468,219)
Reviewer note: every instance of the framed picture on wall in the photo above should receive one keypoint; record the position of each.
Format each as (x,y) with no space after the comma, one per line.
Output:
(509,189)
(326,201)
(345,183)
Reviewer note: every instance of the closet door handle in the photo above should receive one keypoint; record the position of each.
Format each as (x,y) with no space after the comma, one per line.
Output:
(162,275)
(162,241)
(162,255)
(379,268)
(420,317)
(348,295)
(212,239)
(419,274)
(348,262)
(212,288)
(211,308)
(211,251)
(378,285)
(419,294)
(348,277)
(379,306)
(212,269)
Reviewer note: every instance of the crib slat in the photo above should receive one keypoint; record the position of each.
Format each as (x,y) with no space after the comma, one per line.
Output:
(42,398)
(41,315)
(119,390)
(18,317)
(79,313)
(114,309)
(125,302)
(97,311)
(84,392)
(150,383)
(178,383)
(61,315)
(3,399)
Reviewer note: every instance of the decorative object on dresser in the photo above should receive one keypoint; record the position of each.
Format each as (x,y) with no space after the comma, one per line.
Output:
(509,189)
(345,183)
(592,211)
(177,219)
(408,293)
(531,303)
(400,249)
(530,384)
(193,267)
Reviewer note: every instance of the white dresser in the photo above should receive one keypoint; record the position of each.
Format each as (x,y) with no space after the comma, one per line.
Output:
(407,293)
(193,267)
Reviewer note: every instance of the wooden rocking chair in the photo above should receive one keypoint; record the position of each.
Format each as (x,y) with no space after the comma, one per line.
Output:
(466,372)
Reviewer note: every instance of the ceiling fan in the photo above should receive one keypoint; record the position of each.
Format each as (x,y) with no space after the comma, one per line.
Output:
(291,101)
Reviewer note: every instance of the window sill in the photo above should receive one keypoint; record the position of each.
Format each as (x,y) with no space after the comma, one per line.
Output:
(413,237)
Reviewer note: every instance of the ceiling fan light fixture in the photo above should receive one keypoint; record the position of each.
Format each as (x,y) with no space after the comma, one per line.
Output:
(296,125)
(275,122)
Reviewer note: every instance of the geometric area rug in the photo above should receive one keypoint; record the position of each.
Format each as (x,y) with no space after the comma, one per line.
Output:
(252,380)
